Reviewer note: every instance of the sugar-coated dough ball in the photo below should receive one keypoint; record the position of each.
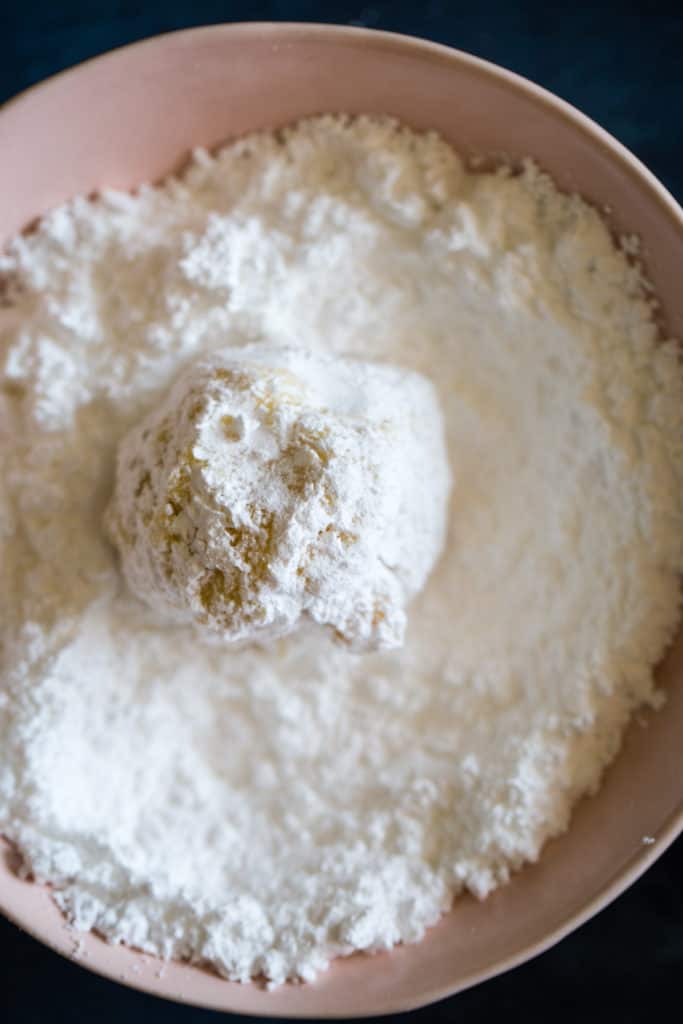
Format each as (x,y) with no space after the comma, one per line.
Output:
(273,485)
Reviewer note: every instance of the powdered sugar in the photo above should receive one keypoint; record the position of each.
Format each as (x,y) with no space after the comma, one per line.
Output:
(269,808)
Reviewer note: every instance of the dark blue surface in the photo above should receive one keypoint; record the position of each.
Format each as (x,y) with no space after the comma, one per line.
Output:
(621,63)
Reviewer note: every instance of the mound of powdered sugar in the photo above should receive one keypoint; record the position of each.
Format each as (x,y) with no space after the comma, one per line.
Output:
(267,809)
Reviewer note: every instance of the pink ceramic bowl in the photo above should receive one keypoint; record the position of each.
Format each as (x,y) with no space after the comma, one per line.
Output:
(130,116)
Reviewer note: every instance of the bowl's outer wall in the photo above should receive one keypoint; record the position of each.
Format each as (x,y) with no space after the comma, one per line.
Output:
(131,117)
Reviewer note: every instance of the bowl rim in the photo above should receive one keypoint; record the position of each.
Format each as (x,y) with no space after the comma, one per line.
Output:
(389,40)
(395,42)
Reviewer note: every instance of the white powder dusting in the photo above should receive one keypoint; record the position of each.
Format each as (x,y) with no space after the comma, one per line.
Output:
(268,808)
(274,483)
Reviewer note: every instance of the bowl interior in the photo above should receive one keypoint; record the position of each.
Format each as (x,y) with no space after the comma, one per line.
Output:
(130,117)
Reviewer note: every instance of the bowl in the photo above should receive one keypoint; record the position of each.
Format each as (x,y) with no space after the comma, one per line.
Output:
(131,116)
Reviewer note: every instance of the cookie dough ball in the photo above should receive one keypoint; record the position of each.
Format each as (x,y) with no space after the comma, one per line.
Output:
(273,486)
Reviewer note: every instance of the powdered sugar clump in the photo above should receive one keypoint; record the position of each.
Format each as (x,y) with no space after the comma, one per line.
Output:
(267,809)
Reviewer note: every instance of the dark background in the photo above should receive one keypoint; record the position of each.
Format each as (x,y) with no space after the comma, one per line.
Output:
(621,63)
